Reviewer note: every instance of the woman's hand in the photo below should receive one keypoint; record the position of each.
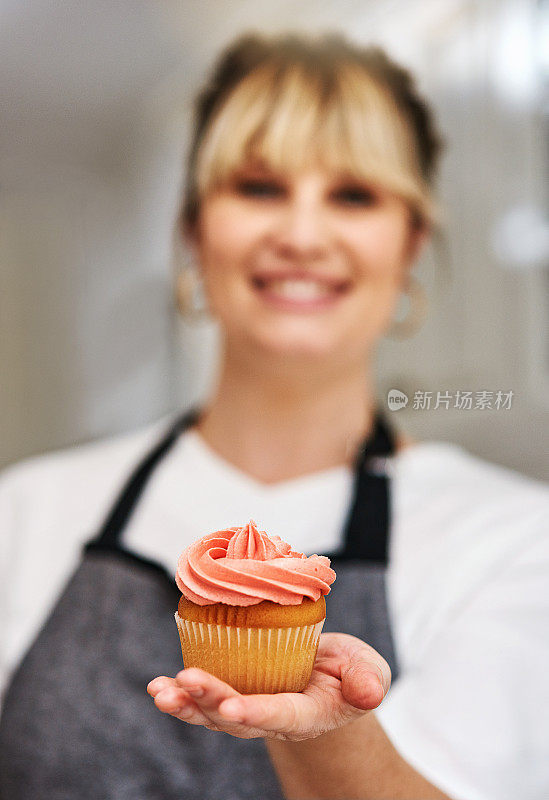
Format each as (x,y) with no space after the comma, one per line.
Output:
(348,679)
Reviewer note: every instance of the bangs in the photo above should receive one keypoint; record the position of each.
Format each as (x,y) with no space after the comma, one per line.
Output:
(295,116)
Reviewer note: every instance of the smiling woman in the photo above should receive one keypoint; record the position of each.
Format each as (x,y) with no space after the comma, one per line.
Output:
(309,197)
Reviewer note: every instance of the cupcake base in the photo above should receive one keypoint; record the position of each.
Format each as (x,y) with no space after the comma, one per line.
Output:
(252,659)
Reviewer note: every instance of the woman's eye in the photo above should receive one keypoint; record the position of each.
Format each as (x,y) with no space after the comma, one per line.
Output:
(355,196)
(262,189)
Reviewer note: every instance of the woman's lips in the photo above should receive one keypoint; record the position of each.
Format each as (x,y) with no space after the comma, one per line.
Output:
(300,293)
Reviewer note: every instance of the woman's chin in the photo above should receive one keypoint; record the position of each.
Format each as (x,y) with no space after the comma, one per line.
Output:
(296,340)
(293,346)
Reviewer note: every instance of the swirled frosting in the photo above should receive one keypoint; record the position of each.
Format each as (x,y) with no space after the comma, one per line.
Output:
(243,566)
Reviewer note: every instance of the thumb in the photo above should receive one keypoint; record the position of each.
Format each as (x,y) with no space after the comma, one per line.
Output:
(365,679)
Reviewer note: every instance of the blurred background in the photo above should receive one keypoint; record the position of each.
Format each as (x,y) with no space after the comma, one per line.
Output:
(96,99)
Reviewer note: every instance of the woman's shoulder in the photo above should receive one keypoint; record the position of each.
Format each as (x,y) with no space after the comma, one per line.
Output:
(81,474)
(464,510)
(437,465)
(463,526)
(86,455)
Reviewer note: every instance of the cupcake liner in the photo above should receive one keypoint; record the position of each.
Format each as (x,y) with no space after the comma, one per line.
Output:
(251,660)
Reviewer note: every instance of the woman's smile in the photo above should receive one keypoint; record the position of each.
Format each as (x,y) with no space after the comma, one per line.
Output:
(299,291)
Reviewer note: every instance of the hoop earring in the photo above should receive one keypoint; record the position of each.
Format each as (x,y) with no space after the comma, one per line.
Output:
(414,319)
(189,295)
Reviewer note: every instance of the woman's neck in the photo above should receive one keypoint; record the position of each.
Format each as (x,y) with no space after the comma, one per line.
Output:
(276,426)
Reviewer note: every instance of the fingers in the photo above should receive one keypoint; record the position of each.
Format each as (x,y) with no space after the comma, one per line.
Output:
(195,696)
(207,691)
(209,694)
(199,698)
(362,688)
(271,713)
(157,684)
(172,699)
(365,679)
(364,674)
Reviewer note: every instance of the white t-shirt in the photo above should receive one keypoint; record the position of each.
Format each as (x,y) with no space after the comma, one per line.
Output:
(468,582)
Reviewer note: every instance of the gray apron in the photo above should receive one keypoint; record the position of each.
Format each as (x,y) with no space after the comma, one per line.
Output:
(77,720)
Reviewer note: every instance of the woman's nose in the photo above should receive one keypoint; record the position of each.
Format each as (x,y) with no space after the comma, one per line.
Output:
(302,231)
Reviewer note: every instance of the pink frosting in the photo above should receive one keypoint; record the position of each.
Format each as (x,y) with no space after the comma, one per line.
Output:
(243,566)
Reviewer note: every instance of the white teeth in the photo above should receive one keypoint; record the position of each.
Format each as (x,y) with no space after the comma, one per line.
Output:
(298,289)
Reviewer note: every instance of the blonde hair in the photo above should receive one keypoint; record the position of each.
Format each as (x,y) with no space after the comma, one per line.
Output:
(292,102)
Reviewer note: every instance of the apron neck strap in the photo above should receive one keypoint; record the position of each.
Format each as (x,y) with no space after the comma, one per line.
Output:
(366,533)
(117,518)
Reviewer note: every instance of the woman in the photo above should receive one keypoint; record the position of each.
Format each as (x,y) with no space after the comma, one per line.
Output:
(308,200)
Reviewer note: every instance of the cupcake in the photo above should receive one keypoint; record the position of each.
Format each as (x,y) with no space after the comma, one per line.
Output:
(252,609)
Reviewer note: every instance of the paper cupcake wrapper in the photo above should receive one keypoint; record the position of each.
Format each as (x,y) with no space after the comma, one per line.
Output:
(252,660)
